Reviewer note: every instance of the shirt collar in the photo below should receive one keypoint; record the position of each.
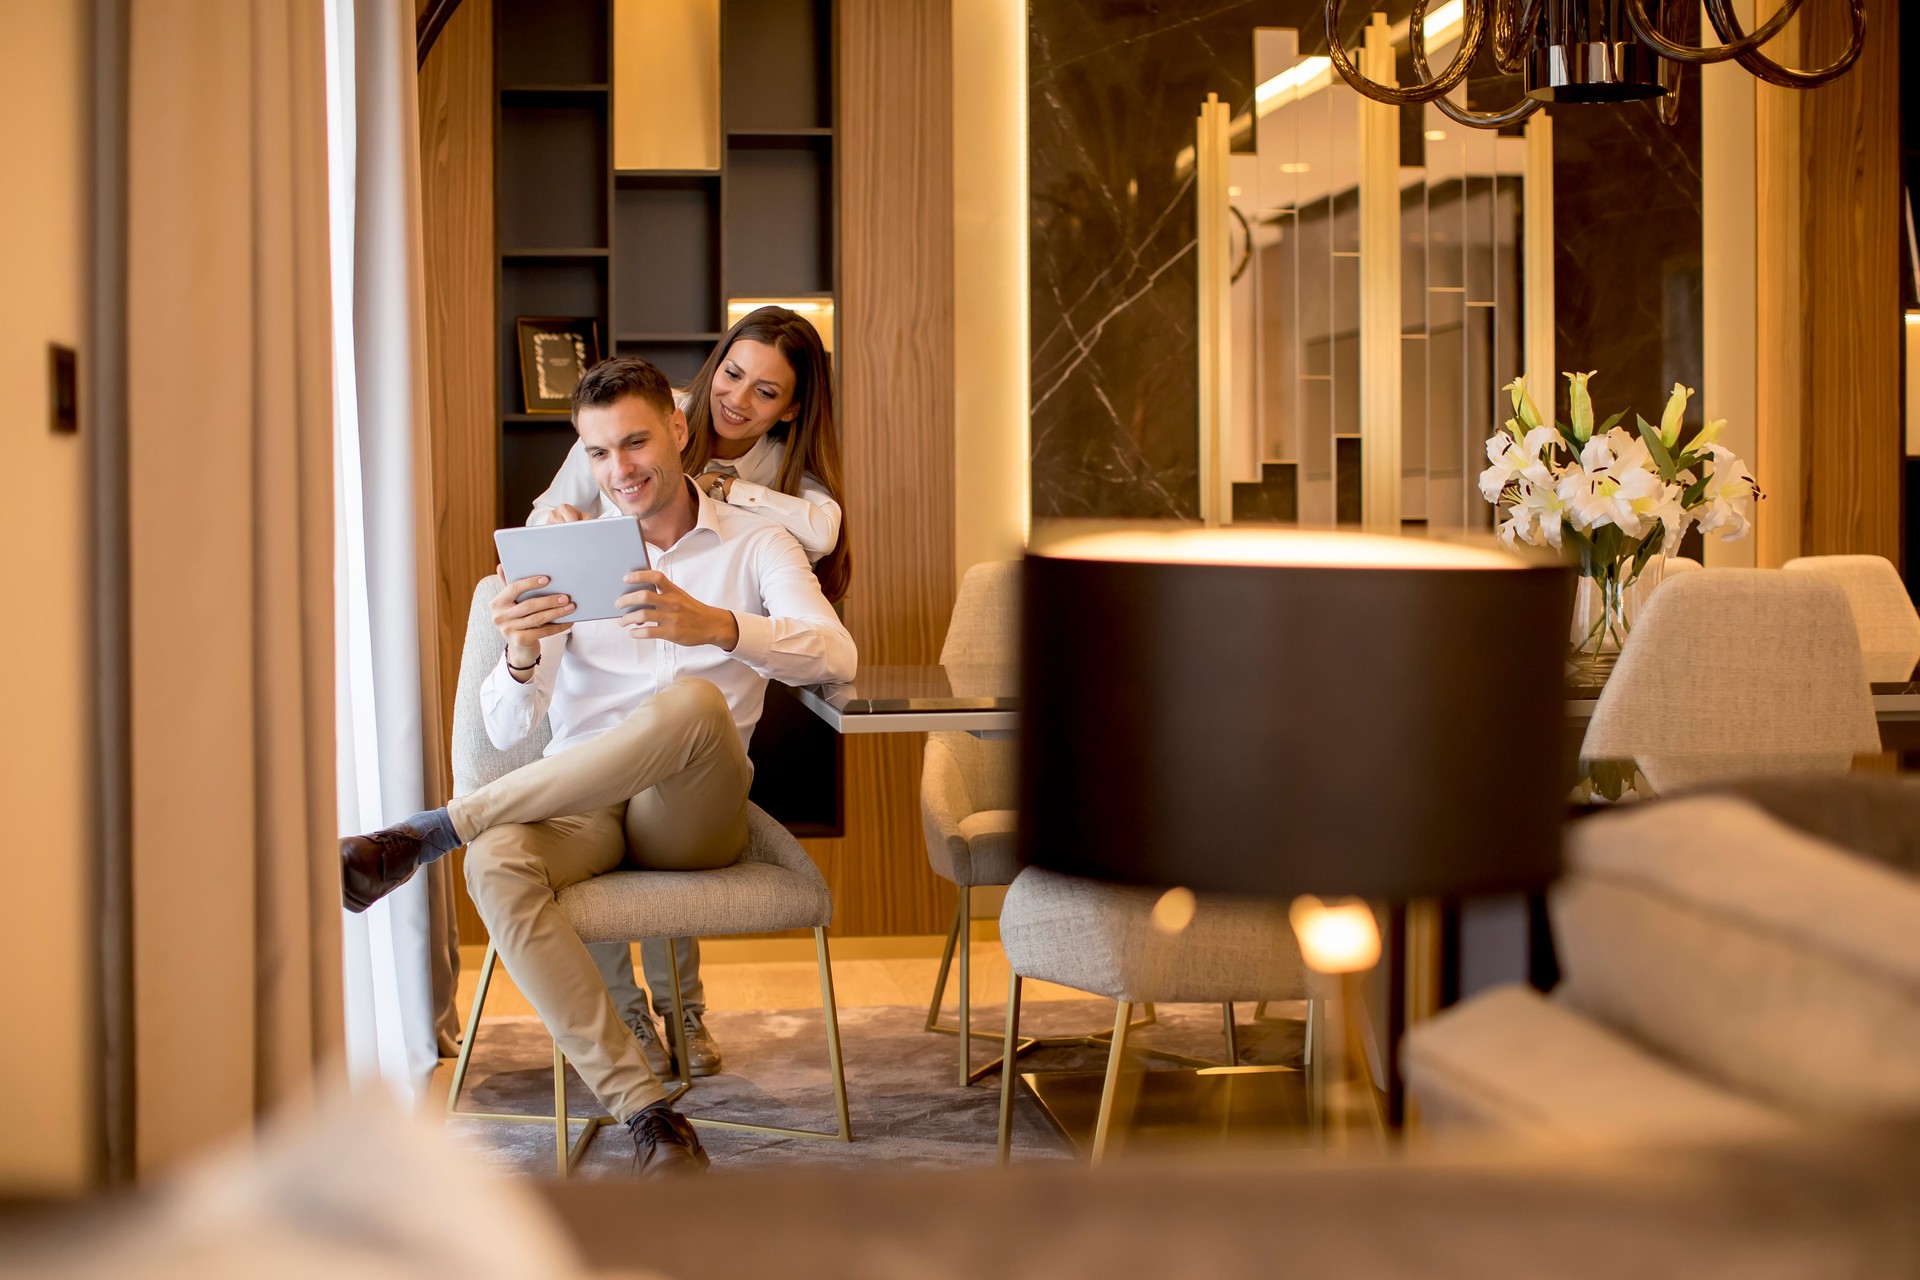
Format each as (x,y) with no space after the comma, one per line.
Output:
(753,458)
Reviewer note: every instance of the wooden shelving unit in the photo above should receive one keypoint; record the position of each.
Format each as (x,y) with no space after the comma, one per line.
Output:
(654,254)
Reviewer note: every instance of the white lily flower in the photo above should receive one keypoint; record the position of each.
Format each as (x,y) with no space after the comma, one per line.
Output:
(1580,404)
(1730,488)
(1516,461)
(1546,514)
(1675,410)
(1597,454)
(1578,491)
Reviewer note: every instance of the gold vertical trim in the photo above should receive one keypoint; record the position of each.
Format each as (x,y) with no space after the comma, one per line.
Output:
(1537,271)
(1213,129)
(1380,389)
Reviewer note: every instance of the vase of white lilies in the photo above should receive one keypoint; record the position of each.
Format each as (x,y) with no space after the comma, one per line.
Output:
(1612,498)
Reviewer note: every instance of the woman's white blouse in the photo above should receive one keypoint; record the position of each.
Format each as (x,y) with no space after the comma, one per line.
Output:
(811,516)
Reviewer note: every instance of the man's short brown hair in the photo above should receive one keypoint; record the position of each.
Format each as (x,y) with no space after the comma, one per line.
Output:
(620,377)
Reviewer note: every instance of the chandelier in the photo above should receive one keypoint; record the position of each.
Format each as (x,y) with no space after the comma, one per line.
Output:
(1587,51)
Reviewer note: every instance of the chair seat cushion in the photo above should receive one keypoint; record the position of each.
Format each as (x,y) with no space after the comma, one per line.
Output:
(1510,1060)
(1101,938)
(748,897)
(774,886)
(1751,953)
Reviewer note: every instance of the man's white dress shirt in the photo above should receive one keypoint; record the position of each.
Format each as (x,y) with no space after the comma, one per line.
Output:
(592,676)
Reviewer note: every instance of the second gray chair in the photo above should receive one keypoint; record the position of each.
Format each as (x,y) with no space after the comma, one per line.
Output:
(1737,672)
(1103,939)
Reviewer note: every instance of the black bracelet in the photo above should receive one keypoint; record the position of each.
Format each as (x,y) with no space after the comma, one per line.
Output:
(505,651)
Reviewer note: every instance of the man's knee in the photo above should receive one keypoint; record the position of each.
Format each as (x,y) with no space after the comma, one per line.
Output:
(699,699)
(500,869)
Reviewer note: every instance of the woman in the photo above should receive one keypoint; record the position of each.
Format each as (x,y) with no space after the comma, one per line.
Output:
(760,435)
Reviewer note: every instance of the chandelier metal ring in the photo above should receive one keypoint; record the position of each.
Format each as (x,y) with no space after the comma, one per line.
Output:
(1586,51)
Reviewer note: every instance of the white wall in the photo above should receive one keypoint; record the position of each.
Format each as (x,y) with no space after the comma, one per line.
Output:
(46,1057)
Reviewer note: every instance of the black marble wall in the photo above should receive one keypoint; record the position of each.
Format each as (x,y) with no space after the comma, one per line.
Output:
(1628,291)
(1114,88)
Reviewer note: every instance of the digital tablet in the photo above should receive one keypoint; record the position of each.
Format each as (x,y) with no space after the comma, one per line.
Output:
(586,559)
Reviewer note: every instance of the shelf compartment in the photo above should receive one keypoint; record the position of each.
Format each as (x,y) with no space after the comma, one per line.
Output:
(667,235)
(550,41)
(556,287)
(678,358)
(777,55)
(779,225)
(530,454)
(552,182)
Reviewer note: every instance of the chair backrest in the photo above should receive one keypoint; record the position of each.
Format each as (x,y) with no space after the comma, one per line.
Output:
(1737,672)
(1883,612)
(984,635)
(476,761)
(1677,565)
(985,630)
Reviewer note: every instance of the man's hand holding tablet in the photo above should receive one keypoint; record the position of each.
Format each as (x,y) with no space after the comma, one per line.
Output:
(525,623)
(675,616)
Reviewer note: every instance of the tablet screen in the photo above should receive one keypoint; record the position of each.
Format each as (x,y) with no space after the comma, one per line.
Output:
(586,559)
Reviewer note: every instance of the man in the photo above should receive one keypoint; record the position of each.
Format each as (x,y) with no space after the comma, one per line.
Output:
(650,720)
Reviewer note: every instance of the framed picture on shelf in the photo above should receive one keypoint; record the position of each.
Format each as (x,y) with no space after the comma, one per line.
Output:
(555,352)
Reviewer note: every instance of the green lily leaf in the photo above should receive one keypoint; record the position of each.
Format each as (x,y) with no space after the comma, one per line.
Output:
(1656,447)
(1612,422)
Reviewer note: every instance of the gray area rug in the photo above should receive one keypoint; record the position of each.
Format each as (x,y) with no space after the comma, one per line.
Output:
(906,1107)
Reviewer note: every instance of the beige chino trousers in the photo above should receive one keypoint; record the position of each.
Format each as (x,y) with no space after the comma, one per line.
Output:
(665,790)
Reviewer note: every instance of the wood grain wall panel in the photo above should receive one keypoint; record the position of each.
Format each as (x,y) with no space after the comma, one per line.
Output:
(456,194)
(896,376)
(1850,439)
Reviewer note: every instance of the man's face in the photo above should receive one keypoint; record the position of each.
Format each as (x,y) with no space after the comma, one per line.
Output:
(635,453)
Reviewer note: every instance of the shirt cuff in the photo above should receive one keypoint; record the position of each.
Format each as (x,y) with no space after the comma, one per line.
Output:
(510,689)
(755,645)
(745,493)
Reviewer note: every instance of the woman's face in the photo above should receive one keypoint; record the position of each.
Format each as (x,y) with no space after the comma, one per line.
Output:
(752,390)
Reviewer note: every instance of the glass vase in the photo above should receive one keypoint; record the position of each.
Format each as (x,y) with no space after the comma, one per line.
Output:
(1605,607)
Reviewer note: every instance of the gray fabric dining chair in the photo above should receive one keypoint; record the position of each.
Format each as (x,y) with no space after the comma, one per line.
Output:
(1883,612)
(1102,939)
(773,887)
(967,790)
(1737,672)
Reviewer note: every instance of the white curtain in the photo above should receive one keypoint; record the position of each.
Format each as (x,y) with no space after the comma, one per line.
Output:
(397,955)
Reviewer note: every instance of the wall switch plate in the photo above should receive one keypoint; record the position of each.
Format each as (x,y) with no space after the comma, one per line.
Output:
(63,388)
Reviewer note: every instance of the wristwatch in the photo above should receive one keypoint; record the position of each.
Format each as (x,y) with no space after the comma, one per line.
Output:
(717,486)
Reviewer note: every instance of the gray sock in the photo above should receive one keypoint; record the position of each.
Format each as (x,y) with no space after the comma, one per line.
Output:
(435,829)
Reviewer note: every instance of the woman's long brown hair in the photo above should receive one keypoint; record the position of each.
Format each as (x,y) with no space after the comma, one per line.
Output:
(812,439)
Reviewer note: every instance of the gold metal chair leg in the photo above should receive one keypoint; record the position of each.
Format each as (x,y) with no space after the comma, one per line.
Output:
(677,1033)
(966,983)
(473,1027)
(833,1034)
(845,1132)
(560,1109)
(946,967)
(1008,1051)
(1232,1034)
(1103,1127)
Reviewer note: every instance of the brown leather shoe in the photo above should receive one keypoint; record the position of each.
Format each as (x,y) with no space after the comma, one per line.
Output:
(664,1143)
(374,865)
